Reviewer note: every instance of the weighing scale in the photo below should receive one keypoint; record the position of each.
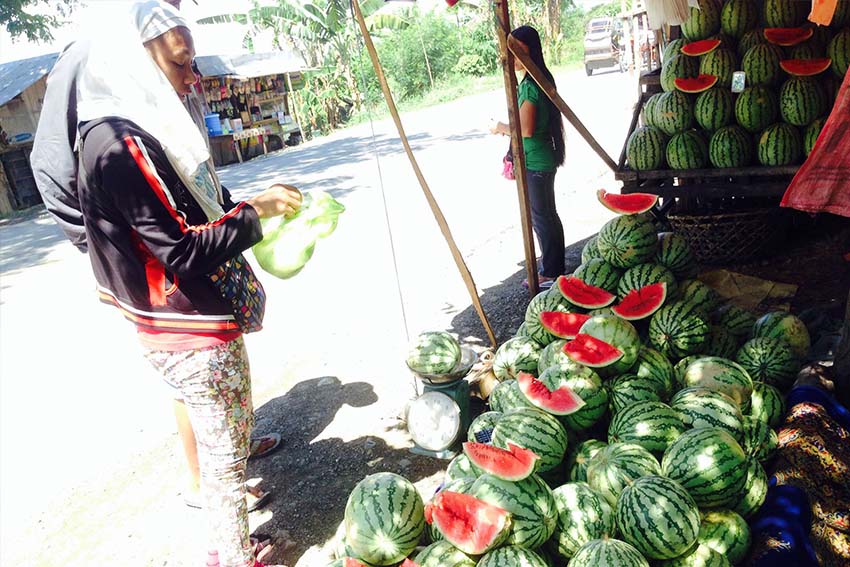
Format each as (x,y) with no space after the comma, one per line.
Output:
(438,418)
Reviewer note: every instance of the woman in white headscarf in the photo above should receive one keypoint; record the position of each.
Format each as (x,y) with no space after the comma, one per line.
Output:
(158,224)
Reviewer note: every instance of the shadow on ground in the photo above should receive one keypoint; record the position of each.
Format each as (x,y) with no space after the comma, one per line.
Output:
(312,479)
(505,304)
(26,240)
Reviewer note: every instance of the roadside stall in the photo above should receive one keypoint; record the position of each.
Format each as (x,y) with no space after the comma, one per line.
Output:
(249,103)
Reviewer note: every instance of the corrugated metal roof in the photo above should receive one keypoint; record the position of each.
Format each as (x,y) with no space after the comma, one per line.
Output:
(249,65)
(16,76)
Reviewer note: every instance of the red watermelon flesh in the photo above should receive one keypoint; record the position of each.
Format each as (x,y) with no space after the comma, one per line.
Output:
(583,295)
(787,36)
(513,463)
(805,67)
(408,563)
(702,47)
(471,525)
(697,85)
(631,204)
(563,325)
(351,562)
(562,401)
(641,303)
(590,351)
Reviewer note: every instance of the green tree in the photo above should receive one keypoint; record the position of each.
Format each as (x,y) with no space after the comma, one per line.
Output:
(19,21)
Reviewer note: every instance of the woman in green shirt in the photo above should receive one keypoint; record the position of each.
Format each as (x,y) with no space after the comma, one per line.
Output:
(543,144)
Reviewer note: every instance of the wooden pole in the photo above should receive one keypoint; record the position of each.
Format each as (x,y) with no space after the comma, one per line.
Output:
(503,29)
(548,88)
(432,202)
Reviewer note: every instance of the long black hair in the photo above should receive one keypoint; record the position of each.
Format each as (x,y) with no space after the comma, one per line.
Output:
(529,36)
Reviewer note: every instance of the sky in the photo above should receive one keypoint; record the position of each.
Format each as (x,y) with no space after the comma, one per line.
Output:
(216,39)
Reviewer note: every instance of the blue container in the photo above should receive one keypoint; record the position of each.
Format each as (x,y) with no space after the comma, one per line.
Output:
(213,123)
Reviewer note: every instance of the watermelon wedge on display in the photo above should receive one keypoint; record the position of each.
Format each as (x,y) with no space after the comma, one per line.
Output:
(583,295)
(592,352)
(787,37)
(563,325)
(562,401)
(409,563)
(702,47)
(471,525)
(696,85)
(631,204)
(513,463)
(641,303)
(805,67)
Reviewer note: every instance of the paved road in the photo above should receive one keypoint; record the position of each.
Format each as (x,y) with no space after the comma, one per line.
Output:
(78,406)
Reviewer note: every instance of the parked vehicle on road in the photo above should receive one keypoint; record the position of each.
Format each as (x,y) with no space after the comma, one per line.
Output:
(602,44)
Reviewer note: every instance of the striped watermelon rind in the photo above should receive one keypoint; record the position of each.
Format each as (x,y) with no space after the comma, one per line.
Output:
(760,441)
(687,150)
(553,354)
(761,64)
(709,463)
(785,326)
(643,275)
(699,295)
(654,366)
(749,40)
(536,431)
(674,253)
(756,108)
(652,425)
(754,491)
(779,144)
(544,301)
(461,468)
(519,354)
(702,22)
(769,360)
(727,533)
(801,100)
(590,250)
(674,112)
(485,422)
(587,385)
(720,343)
(839,51)
(628,389)
(720,374)
(616,466)
(730,146)
(433,352)
(628,240)
(443,554)
(645,150)
(737,321)
(721,63)
(783,13)
(583,515)
(698,556)
(579,457)
(617,332)
(767,404)
(507,396)
(811,133)
(678,67)
(599,273)
(701,407)
(658,516)
(384,518)
(530,503)
(512,555)
(677,330)
(738,17)
(608,552)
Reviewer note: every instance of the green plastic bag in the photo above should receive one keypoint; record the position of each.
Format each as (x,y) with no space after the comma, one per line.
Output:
(288,244)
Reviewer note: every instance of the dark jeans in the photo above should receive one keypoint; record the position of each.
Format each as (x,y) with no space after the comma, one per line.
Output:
(546,222)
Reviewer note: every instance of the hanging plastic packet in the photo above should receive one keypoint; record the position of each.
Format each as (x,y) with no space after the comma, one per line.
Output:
(289,243)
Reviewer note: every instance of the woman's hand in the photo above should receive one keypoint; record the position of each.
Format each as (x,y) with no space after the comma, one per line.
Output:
(279,199)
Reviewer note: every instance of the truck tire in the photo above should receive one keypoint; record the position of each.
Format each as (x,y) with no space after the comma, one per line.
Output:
(588,69)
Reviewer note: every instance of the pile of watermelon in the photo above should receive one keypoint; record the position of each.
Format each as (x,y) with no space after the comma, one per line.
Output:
(793,72)
(635,414)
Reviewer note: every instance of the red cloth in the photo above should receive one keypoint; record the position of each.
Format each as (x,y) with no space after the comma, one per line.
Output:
(822,184)
(162,340)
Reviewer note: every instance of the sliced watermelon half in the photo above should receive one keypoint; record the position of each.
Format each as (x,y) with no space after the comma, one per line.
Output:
(583,295)
(696,85)
(701,47)
(631,204)
(787,37)
(590,351)
(641,303)
(805,67)
(563,325)
(513,463)
(562,401)
(471,525)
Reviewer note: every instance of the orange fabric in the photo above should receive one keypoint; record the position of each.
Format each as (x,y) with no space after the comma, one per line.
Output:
(822,184)
(822,11)
(160,340)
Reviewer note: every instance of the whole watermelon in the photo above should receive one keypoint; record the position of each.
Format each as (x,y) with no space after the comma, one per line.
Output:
(658,516)
(703,407)
(627,240)
(536,431)
(738,17)
(756,108)
(530,503)
(597,272)
(787,327)
(507,396)
(811,133)
(627,389)
(769,360)
(760,441)
(544,301)
(722,375)
(687,150)
(608,552)
(645,150)
(767,404)
(579,457)
(780,144)
(519,354)
(726,532)
(801,100)
(616,466)
(761,64)
(678,330)
(839,52)
(730,146)
(698,556)
(583,515)
(433,352)
(755,489)
(642,275)
(703,22)
(512,555)
(721,63)
(443,554)
(674,253)
(678,67)
(715,108)
(384,518)
(652,425)
(674,112)
(654,366)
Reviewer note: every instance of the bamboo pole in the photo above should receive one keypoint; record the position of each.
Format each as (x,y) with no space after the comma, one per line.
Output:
(503,29)
(432,202)
(549,88)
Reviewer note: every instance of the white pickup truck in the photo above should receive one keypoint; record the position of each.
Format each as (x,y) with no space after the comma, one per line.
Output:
(601,44)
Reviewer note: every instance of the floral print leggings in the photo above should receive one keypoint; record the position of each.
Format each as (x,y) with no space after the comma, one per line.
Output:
(215,384)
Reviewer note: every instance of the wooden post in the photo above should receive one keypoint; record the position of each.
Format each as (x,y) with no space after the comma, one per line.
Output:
(294,109)
(547,87)
(432,202)
(503,30)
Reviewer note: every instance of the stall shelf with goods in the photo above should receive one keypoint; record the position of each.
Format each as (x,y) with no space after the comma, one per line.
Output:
(248,104)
